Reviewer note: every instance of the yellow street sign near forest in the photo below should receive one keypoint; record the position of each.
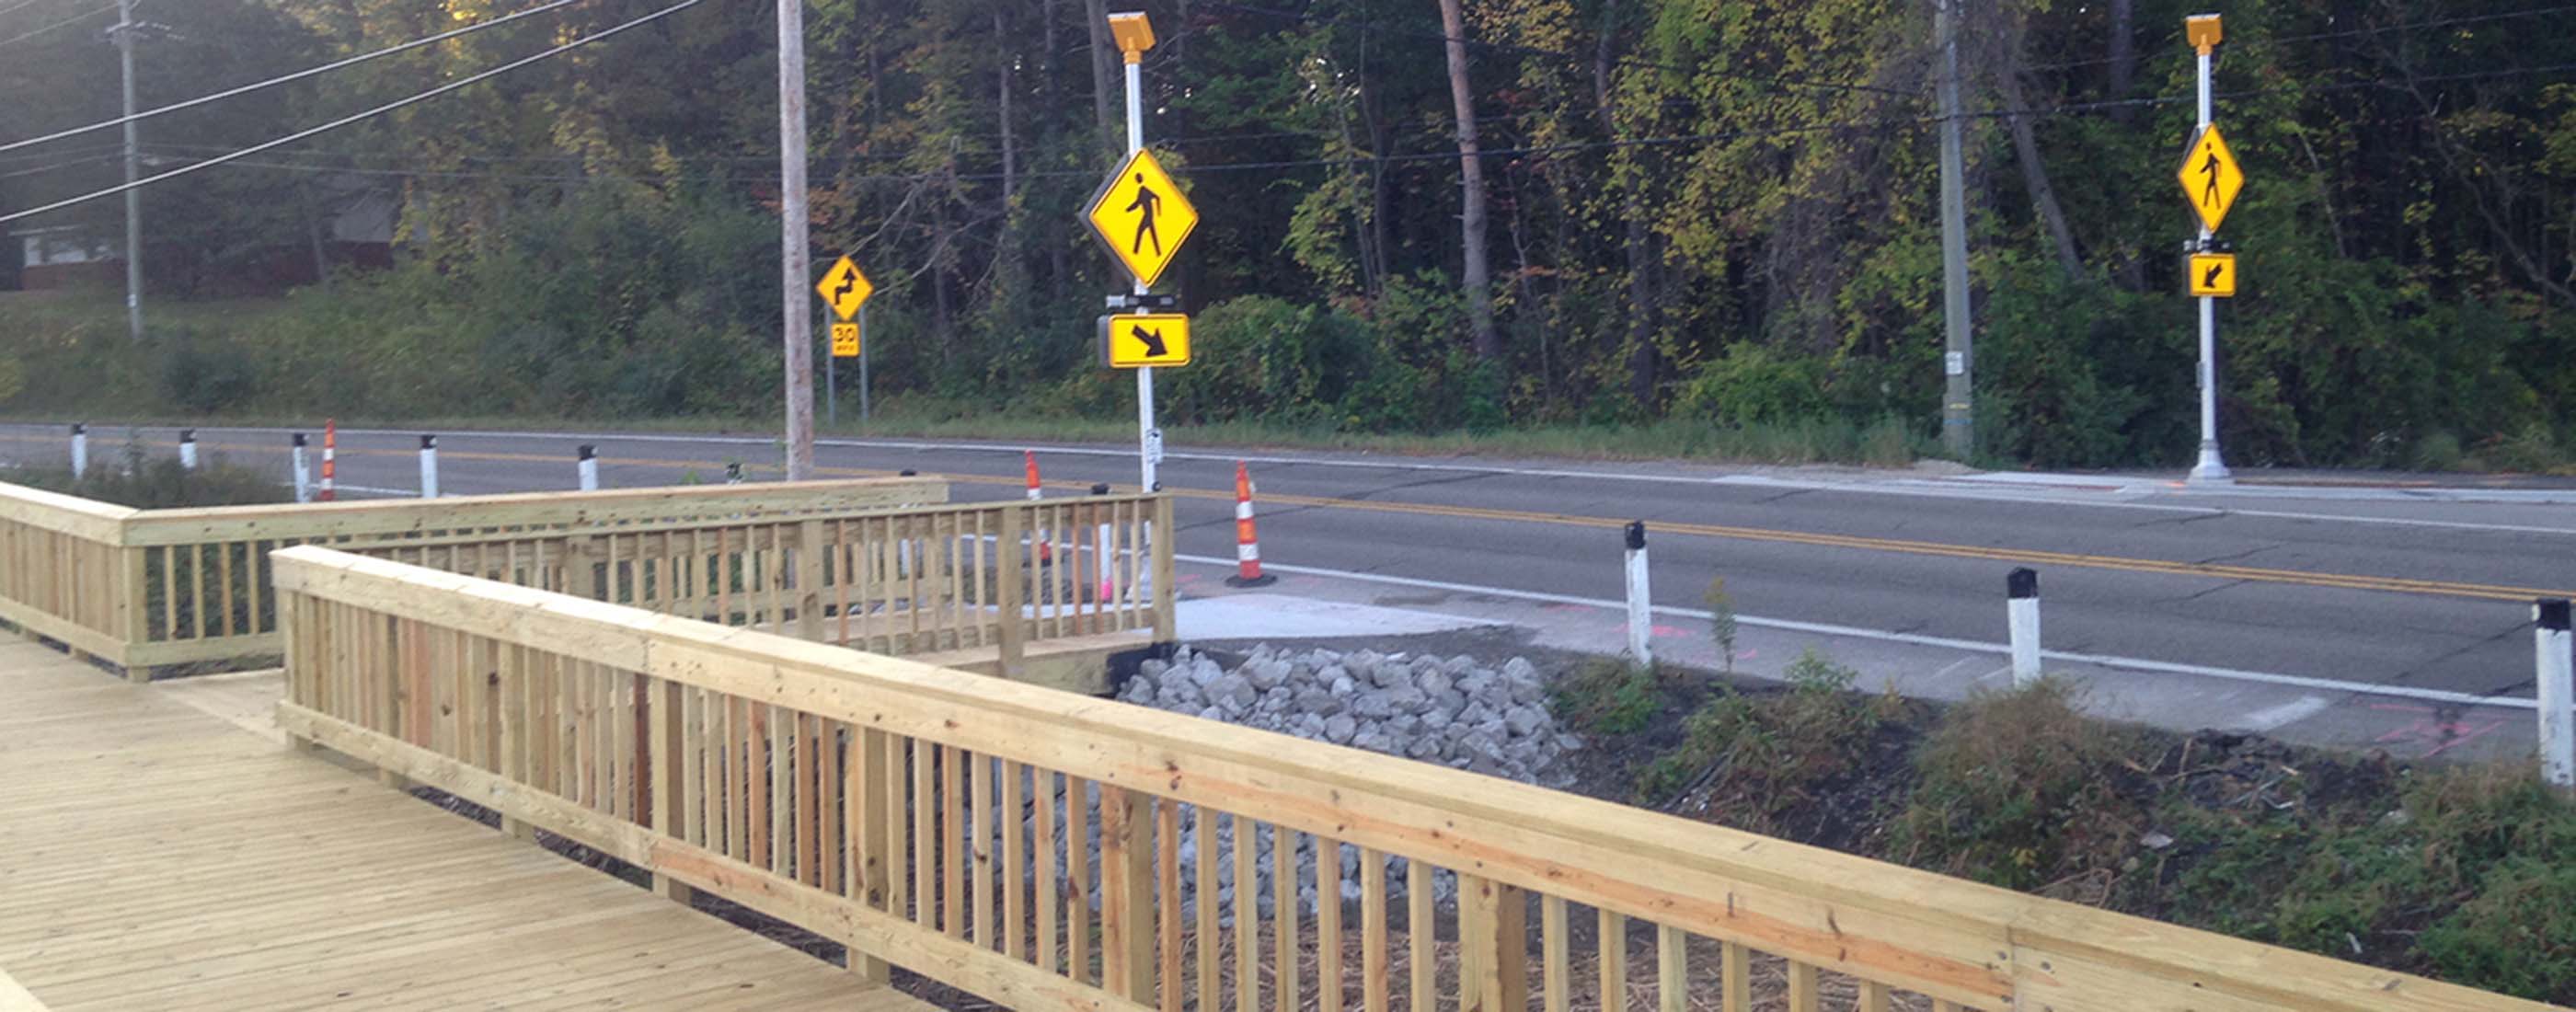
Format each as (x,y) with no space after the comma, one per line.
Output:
(2213,275)
(1142,217)
(1138,340)
(845,289)
(845,340)
(2210,177)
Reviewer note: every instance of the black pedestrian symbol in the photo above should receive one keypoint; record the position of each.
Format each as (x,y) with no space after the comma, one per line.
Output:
(1150,204)
(1151,339)
(2209,187)
(2210,280)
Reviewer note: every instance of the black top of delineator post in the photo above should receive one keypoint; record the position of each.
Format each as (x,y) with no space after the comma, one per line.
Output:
(429,442)
(79,428)
(1636,535)
(187,435)
(2552,613)
(587,452)
(1100,489)
(2022,583)
(296,440)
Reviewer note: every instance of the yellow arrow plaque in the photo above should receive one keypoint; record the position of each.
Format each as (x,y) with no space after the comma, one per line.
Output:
(1138,340)
(2213,275)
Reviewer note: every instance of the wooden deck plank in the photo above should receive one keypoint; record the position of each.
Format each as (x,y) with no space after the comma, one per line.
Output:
(158,851)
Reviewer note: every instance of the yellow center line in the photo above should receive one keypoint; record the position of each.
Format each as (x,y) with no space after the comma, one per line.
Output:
(2022,556)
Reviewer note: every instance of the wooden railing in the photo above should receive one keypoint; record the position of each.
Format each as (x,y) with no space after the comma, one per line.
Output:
(899,582)
(1025,845)
(149,588)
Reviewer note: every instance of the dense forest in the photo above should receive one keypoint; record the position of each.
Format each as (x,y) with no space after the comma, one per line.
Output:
(1676,210)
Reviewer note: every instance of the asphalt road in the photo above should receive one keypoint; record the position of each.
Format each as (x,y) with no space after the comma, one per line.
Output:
(2351,585)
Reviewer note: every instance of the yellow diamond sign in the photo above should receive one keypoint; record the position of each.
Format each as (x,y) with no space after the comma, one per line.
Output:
(1142,217)
(2210,177)
(845,289)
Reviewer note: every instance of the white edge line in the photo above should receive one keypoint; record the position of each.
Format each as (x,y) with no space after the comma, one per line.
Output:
(1974,646)
(1897,485)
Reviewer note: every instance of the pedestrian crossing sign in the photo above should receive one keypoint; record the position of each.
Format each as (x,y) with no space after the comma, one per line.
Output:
(2210,177)
(1142,217)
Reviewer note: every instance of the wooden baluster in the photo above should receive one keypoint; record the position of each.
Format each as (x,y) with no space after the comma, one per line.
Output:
(1802,987)
(1204,821)
(1328,924)
(952,840)
(1167,899)
(1614,962)
(1015,859)
(1077,854)
(1493,946)
(1047,885)
(809,800)
(1247,915)
(1873,997)
(979,848)
(1735,978)
(1554,956)
(1672,969)
(809,580)
(1420,930)
(671,766)
(1287,915)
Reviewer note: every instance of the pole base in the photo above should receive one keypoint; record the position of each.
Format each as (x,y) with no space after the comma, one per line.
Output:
(1262,580)
(2211,470)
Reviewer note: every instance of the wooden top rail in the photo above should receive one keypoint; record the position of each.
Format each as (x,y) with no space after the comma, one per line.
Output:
(67,514)
(1962,944)
(531,510)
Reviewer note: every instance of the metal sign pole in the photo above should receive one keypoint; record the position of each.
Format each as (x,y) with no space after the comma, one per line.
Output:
(831,387)
(863,363)
(2212,469)
(1149,440)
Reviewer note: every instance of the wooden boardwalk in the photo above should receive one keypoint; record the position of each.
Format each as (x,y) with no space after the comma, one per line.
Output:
(160,854)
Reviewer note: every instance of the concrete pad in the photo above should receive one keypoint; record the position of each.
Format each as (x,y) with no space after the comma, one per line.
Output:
(1282,616)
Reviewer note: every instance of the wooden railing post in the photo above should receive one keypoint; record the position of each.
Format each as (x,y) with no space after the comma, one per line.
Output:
(134,607)
(1127,915)
(875,816)
(581,573)
(1008,590)
(809,581)
(1493,946)
(1166,627)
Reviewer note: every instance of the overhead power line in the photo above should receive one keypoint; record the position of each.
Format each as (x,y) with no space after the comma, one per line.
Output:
(2344,33)
(346,120)
(296,76)
(64,23)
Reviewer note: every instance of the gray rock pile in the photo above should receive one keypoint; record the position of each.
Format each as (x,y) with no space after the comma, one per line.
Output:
(1449,711)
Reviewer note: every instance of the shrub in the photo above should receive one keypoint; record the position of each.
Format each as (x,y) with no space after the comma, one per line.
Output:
(1608,697)
(1761,755)
(140,481)
(1752,384)
(2017,787)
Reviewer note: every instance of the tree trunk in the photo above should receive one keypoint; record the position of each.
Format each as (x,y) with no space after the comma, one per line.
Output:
(1637,243)
(1002,86)
(1476,279)
(1105,84)
(2123,55)
(2034,173)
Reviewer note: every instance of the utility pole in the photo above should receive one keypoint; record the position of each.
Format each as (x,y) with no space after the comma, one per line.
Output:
(1958,397)
(795,269)
(133,169)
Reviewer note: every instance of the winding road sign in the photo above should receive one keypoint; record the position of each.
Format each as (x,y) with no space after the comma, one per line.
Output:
(2210,177)
(845,289)
(1140,340)
(1142,217)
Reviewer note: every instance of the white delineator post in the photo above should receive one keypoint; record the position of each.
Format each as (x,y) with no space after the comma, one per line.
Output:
(303,468)
(188,449)
(2556,658)
(1641,604)
(80,449)
(429,467)
(1104,559)
(2021,587)
(586,462)
(2212,468)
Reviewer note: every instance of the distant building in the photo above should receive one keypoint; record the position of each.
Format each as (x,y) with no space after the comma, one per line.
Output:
(357,234)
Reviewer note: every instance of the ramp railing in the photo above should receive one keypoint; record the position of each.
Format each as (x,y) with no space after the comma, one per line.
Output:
(149,588)
(1045,850)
